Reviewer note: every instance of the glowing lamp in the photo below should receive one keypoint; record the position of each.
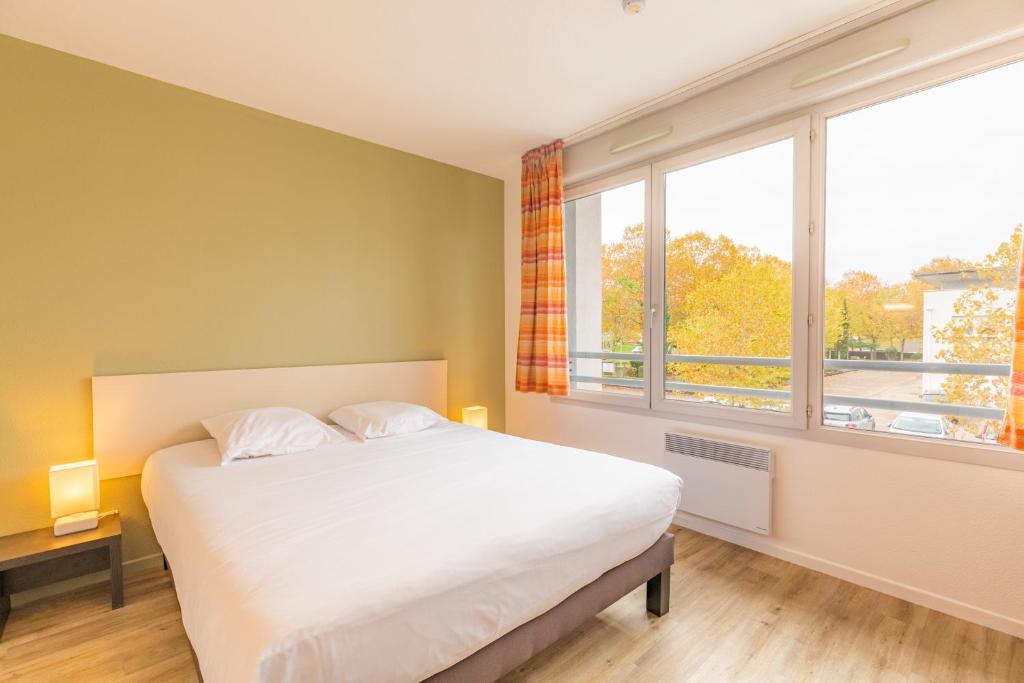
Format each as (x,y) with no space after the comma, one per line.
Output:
(475,416)
(74,496)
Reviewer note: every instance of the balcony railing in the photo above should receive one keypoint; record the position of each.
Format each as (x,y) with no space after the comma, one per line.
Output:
(935,408)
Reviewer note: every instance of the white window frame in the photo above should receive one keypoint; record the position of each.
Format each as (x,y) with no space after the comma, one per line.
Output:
(628,177)
(925,79)
(799,129)
(807,424)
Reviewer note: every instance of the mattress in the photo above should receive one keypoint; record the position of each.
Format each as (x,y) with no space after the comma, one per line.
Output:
(390,559)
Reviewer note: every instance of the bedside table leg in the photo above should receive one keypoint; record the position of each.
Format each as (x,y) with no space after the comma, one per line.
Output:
(116,575)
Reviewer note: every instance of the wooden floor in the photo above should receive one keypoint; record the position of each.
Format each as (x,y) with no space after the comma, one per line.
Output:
(736,615)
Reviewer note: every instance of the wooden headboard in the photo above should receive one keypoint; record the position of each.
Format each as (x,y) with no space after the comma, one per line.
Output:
(136,415)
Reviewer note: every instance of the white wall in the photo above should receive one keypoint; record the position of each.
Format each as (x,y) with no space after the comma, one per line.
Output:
(943,534)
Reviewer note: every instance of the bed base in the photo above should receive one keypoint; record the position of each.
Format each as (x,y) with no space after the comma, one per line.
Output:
(490,663)
(493,661)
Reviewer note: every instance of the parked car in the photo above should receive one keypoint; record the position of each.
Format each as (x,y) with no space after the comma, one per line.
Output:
(921,424)
(851,417)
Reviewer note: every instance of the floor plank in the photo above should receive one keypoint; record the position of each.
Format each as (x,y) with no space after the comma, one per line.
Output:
(736,615)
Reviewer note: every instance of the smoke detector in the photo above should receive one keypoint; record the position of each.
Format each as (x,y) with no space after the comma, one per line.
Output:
(633,6)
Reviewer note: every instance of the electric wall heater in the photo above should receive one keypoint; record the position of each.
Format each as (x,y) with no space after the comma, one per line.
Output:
(723,481)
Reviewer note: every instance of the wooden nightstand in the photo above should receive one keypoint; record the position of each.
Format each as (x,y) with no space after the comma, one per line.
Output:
(36,558)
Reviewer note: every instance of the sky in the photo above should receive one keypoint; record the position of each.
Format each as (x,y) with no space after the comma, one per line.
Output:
(937,173)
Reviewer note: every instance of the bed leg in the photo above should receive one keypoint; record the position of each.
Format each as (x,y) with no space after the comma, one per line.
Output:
(165,562)
(658,593)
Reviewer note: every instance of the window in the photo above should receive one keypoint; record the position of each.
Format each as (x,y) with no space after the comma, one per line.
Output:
(922,239)
(606,247)
(727,329)
(699,283)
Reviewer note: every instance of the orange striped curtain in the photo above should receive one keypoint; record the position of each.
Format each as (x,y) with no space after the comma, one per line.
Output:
(1012,433)
(543,355)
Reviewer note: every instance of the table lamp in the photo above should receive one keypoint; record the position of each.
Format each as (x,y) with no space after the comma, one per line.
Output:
(475,416)
(74,496)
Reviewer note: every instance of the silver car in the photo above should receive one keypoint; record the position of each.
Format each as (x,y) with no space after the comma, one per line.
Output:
(851,417)
(921,424)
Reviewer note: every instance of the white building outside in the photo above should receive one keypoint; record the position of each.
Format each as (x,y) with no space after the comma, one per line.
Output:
(939,311)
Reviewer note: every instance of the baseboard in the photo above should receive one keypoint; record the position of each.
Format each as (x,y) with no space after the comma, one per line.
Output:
(130,567)
(769,546)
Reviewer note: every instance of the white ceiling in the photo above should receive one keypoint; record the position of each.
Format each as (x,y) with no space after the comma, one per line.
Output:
(470,82)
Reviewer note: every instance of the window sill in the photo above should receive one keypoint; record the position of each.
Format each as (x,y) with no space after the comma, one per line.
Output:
(959,452)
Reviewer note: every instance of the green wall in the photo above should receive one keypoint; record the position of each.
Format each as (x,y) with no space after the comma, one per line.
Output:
(149,228)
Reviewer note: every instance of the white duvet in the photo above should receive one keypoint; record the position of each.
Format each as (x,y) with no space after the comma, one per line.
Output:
(392,559)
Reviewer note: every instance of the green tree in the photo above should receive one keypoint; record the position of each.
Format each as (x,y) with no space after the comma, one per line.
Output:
(622,289)
(945,264)
(902,311)
(862,296)
(726,299)
(981,330)
(837,324)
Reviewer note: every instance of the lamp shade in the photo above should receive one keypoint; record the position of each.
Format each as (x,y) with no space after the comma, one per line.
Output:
(74,487)
(475,416)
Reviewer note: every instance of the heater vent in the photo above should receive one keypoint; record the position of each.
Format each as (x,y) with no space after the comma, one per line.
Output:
(754,457)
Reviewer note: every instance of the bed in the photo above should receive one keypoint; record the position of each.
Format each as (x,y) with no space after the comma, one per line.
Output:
(451,554)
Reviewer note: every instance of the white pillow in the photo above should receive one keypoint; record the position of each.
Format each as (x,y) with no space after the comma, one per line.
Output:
(266,431)
(385,418)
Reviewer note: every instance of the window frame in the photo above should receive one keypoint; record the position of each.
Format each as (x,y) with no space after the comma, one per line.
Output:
(603,184)
(894,89)
(799,130)
(840,101)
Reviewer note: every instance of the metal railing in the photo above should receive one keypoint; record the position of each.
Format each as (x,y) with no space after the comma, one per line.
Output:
(986,369)
(935,408)
(683,386)
(675,358)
